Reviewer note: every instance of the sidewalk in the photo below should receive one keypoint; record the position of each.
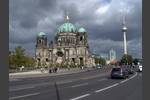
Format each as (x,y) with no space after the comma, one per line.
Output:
(38,73)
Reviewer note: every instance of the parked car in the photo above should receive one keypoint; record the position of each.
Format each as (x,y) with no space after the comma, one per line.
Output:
(119,72)
(129,69)
(98,66)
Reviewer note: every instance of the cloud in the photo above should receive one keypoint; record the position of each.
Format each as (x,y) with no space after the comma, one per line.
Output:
(101,18)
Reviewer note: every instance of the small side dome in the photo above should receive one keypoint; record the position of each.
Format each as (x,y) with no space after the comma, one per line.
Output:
(81,30)
(41,34)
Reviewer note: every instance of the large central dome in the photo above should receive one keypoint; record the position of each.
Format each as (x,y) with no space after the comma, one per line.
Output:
(67,27)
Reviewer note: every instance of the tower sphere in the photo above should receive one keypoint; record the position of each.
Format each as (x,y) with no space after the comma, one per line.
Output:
(124,28)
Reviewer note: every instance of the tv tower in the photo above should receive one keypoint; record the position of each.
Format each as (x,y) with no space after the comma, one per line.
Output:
(124,30)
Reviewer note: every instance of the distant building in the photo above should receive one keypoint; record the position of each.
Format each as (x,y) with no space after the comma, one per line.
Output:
(112,56)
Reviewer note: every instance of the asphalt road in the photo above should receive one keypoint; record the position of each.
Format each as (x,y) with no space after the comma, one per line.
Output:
(90,85)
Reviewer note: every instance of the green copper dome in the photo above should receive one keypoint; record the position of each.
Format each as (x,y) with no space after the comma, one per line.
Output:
(81,30)
(41,34)
(67,27)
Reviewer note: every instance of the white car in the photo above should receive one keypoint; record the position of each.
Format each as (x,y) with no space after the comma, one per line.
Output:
(140,68)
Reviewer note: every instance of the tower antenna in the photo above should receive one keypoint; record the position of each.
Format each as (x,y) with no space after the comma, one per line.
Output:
(124,30)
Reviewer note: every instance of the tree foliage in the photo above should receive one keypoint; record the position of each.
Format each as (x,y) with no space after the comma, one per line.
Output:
(17,58)
(135,61)
(100,60)
(127,59)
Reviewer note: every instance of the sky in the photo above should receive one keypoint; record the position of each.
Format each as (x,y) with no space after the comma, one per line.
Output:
(102,20)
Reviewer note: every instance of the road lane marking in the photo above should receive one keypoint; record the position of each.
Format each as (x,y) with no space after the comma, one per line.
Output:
(129,78)
(13,79)
(67,81)
(40,84)
(23,88)
(102,79)
(111,86)
(43,84)
(107,87)
(91,77)
(31,86)
(27,95)
(79,97)
(63,82)
(78,85)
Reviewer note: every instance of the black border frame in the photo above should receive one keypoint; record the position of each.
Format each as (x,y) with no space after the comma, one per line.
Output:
(146,48)
(4,47)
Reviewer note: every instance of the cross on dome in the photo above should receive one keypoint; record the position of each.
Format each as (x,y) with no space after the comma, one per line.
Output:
(67,18)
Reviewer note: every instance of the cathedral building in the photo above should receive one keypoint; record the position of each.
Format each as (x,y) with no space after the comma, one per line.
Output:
(70,47)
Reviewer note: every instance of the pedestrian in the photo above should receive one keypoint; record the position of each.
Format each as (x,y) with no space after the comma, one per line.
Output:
(56,70)
(50,70)
(42,70)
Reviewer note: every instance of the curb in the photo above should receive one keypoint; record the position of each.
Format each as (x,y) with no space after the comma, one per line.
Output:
(45,74)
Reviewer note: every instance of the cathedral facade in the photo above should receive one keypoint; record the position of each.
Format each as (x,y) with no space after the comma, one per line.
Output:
(70,47)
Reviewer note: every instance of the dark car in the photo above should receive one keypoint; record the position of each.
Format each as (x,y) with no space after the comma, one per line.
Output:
(119,72)
(129,68)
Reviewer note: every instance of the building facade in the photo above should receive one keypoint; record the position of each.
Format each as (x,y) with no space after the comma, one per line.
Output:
(70,47)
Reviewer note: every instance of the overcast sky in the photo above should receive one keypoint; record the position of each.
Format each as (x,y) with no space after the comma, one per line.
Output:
(101,18)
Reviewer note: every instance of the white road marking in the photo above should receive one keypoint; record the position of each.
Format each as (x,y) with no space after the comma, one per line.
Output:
(115,84)
(128,78)
(40,84)
(29,87)
(17,97)
(43,84)
(102,79)
(79,97)
(107,87)
(13,79)
(62,82)
(78,85)
(23,88)
(90,77)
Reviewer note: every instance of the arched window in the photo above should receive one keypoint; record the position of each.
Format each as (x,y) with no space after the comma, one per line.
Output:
(81,38)
(63,29)
(39,59)
(72,30)
(46,59)
(40,41)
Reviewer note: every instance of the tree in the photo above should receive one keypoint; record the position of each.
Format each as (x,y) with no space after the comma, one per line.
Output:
(135,61)
(96,60)
(102,61)
(11,61)
(17,58)
(126,59)
(29,61)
